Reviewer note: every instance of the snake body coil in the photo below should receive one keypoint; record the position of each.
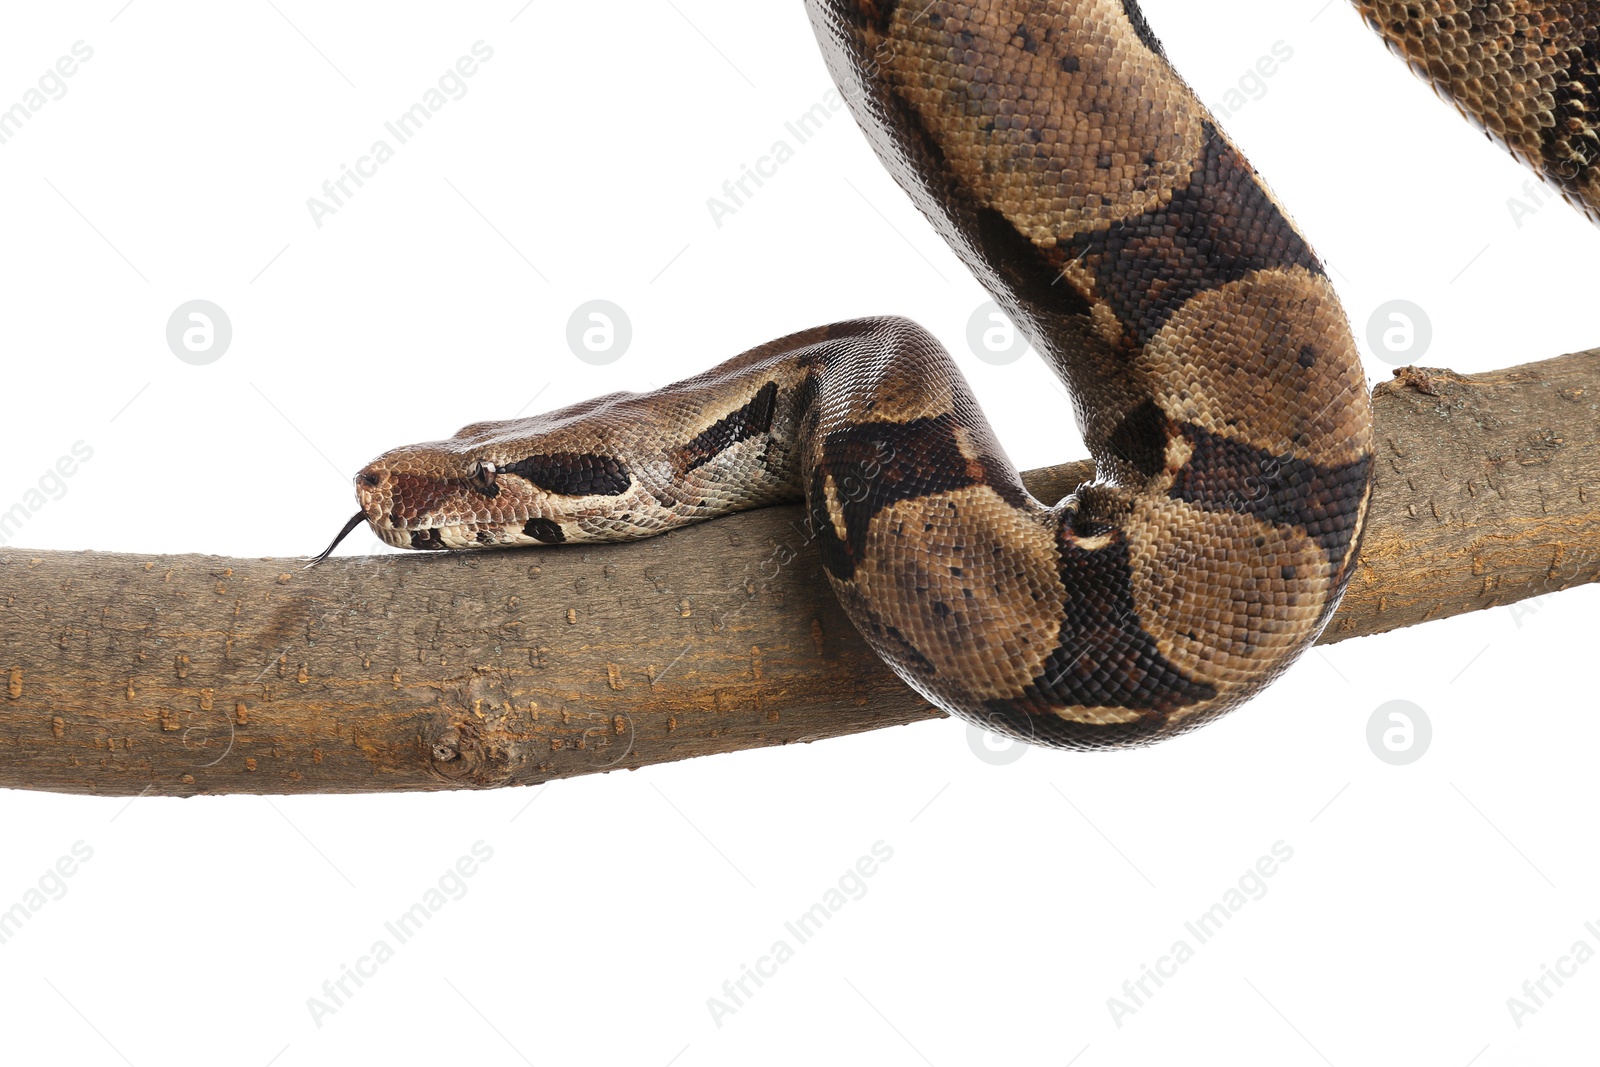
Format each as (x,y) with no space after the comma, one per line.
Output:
(1213,372)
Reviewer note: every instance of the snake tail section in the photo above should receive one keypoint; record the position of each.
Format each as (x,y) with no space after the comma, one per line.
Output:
(1526,73)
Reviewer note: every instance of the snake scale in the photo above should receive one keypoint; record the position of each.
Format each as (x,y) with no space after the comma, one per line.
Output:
(1212,369)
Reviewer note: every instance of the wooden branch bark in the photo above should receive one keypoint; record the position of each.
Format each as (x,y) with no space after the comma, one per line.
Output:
(182,675)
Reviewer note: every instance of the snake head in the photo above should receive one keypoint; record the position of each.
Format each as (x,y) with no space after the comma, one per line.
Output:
(439,495)
(544,480)
(615,468)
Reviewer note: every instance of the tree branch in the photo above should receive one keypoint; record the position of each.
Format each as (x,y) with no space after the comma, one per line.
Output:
(181,675)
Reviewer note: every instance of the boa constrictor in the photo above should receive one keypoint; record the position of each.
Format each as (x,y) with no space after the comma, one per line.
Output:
(1212,368)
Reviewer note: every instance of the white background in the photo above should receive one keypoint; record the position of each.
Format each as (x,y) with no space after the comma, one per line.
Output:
(1020,896)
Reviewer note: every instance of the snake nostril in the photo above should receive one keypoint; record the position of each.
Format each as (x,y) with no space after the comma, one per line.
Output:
(369,479)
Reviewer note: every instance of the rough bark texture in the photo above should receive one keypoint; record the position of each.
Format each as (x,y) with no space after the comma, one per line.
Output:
(182,675)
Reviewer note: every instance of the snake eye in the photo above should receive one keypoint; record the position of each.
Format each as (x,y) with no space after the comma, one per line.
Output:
(482,479)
